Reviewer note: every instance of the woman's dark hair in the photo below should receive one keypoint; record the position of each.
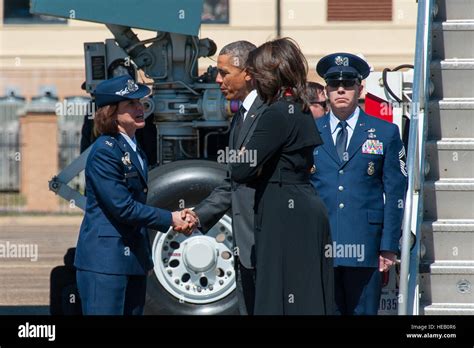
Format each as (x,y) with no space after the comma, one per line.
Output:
(105,120)
(278,66)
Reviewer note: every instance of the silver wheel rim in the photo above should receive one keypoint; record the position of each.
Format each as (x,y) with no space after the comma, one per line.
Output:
(197,269)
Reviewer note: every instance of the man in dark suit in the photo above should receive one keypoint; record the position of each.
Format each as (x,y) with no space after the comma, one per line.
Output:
(361,177)
(236,84)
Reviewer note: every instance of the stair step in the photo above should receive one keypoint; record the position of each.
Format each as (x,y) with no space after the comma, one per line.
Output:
(448,282)
(448,309)
(448,199)
(453,39)
(452,78)
(463,267)
(448,240)
(454,144)
(451,118)
(454,9)
(448,225)
(456,25)
(450,158)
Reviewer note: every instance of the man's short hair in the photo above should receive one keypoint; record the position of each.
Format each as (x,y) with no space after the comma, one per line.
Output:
(314,88)
(239,51)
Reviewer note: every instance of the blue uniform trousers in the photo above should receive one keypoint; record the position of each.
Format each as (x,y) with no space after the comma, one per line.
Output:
(111,294)
(357,290)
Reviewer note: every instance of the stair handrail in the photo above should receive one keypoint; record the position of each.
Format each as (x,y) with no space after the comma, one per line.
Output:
(408,300)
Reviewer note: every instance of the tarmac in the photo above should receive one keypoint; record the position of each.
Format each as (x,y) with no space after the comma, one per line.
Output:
(30,247)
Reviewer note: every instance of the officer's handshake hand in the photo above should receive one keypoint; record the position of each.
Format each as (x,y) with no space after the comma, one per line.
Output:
(185,223)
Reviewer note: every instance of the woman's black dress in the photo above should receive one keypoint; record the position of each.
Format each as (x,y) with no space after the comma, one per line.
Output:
(291,222)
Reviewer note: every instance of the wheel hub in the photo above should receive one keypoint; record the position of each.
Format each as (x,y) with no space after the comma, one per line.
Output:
(199,256)
(197,269)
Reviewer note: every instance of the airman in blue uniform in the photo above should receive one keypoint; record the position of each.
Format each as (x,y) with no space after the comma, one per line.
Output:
(113,254)
(360,174)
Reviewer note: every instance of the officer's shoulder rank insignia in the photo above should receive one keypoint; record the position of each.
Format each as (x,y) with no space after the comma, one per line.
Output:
(372,147)
(402,159)
(109,143)
(126,159)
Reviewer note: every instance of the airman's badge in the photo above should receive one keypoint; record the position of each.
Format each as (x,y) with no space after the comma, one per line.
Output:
(126,159)
(339,60)
(132,86)
(371,168)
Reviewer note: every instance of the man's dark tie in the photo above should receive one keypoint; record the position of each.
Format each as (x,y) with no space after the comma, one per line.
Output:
(341,141)
(239,122)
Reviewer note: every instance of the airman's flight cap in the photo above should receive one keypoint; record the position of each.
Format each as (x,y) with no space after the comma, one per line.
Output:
(342,66)
(118,89)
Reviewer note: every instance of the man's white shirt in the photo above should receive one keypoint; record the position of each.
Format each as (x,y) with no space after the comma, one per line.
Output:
(351,124)
(248,101)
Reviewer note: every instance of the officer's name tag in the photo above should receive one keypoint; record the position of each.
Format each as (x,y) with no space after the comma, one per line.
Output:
(131,175)
(373,147)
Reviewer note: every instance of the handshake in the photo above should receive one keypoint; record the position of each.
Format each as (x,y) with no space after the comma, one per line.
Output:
(185,221)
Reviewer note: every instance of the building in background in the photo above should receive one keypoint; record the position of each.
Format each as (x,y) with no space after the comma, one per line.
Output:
(40,51)
(42,65)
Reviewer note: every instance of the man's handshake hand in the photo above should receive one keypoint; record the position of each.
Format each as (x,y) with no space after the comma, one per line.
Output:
(185,221)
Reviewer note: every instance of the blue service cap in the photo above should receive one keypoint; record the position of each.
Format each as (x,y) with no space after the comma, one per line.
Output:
(342,66)
(118,89)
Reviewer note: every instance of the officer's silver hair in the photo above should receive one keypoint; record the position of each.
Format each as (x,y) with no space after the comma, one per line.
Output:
(239,51)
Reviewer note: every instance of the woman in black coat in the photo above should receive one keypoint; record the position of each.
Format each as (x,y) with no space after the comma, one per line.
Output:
(291,222)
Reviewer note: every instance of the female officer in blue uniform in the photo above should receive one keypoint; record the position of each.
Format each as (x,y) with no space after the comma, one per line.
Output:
(113,254)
